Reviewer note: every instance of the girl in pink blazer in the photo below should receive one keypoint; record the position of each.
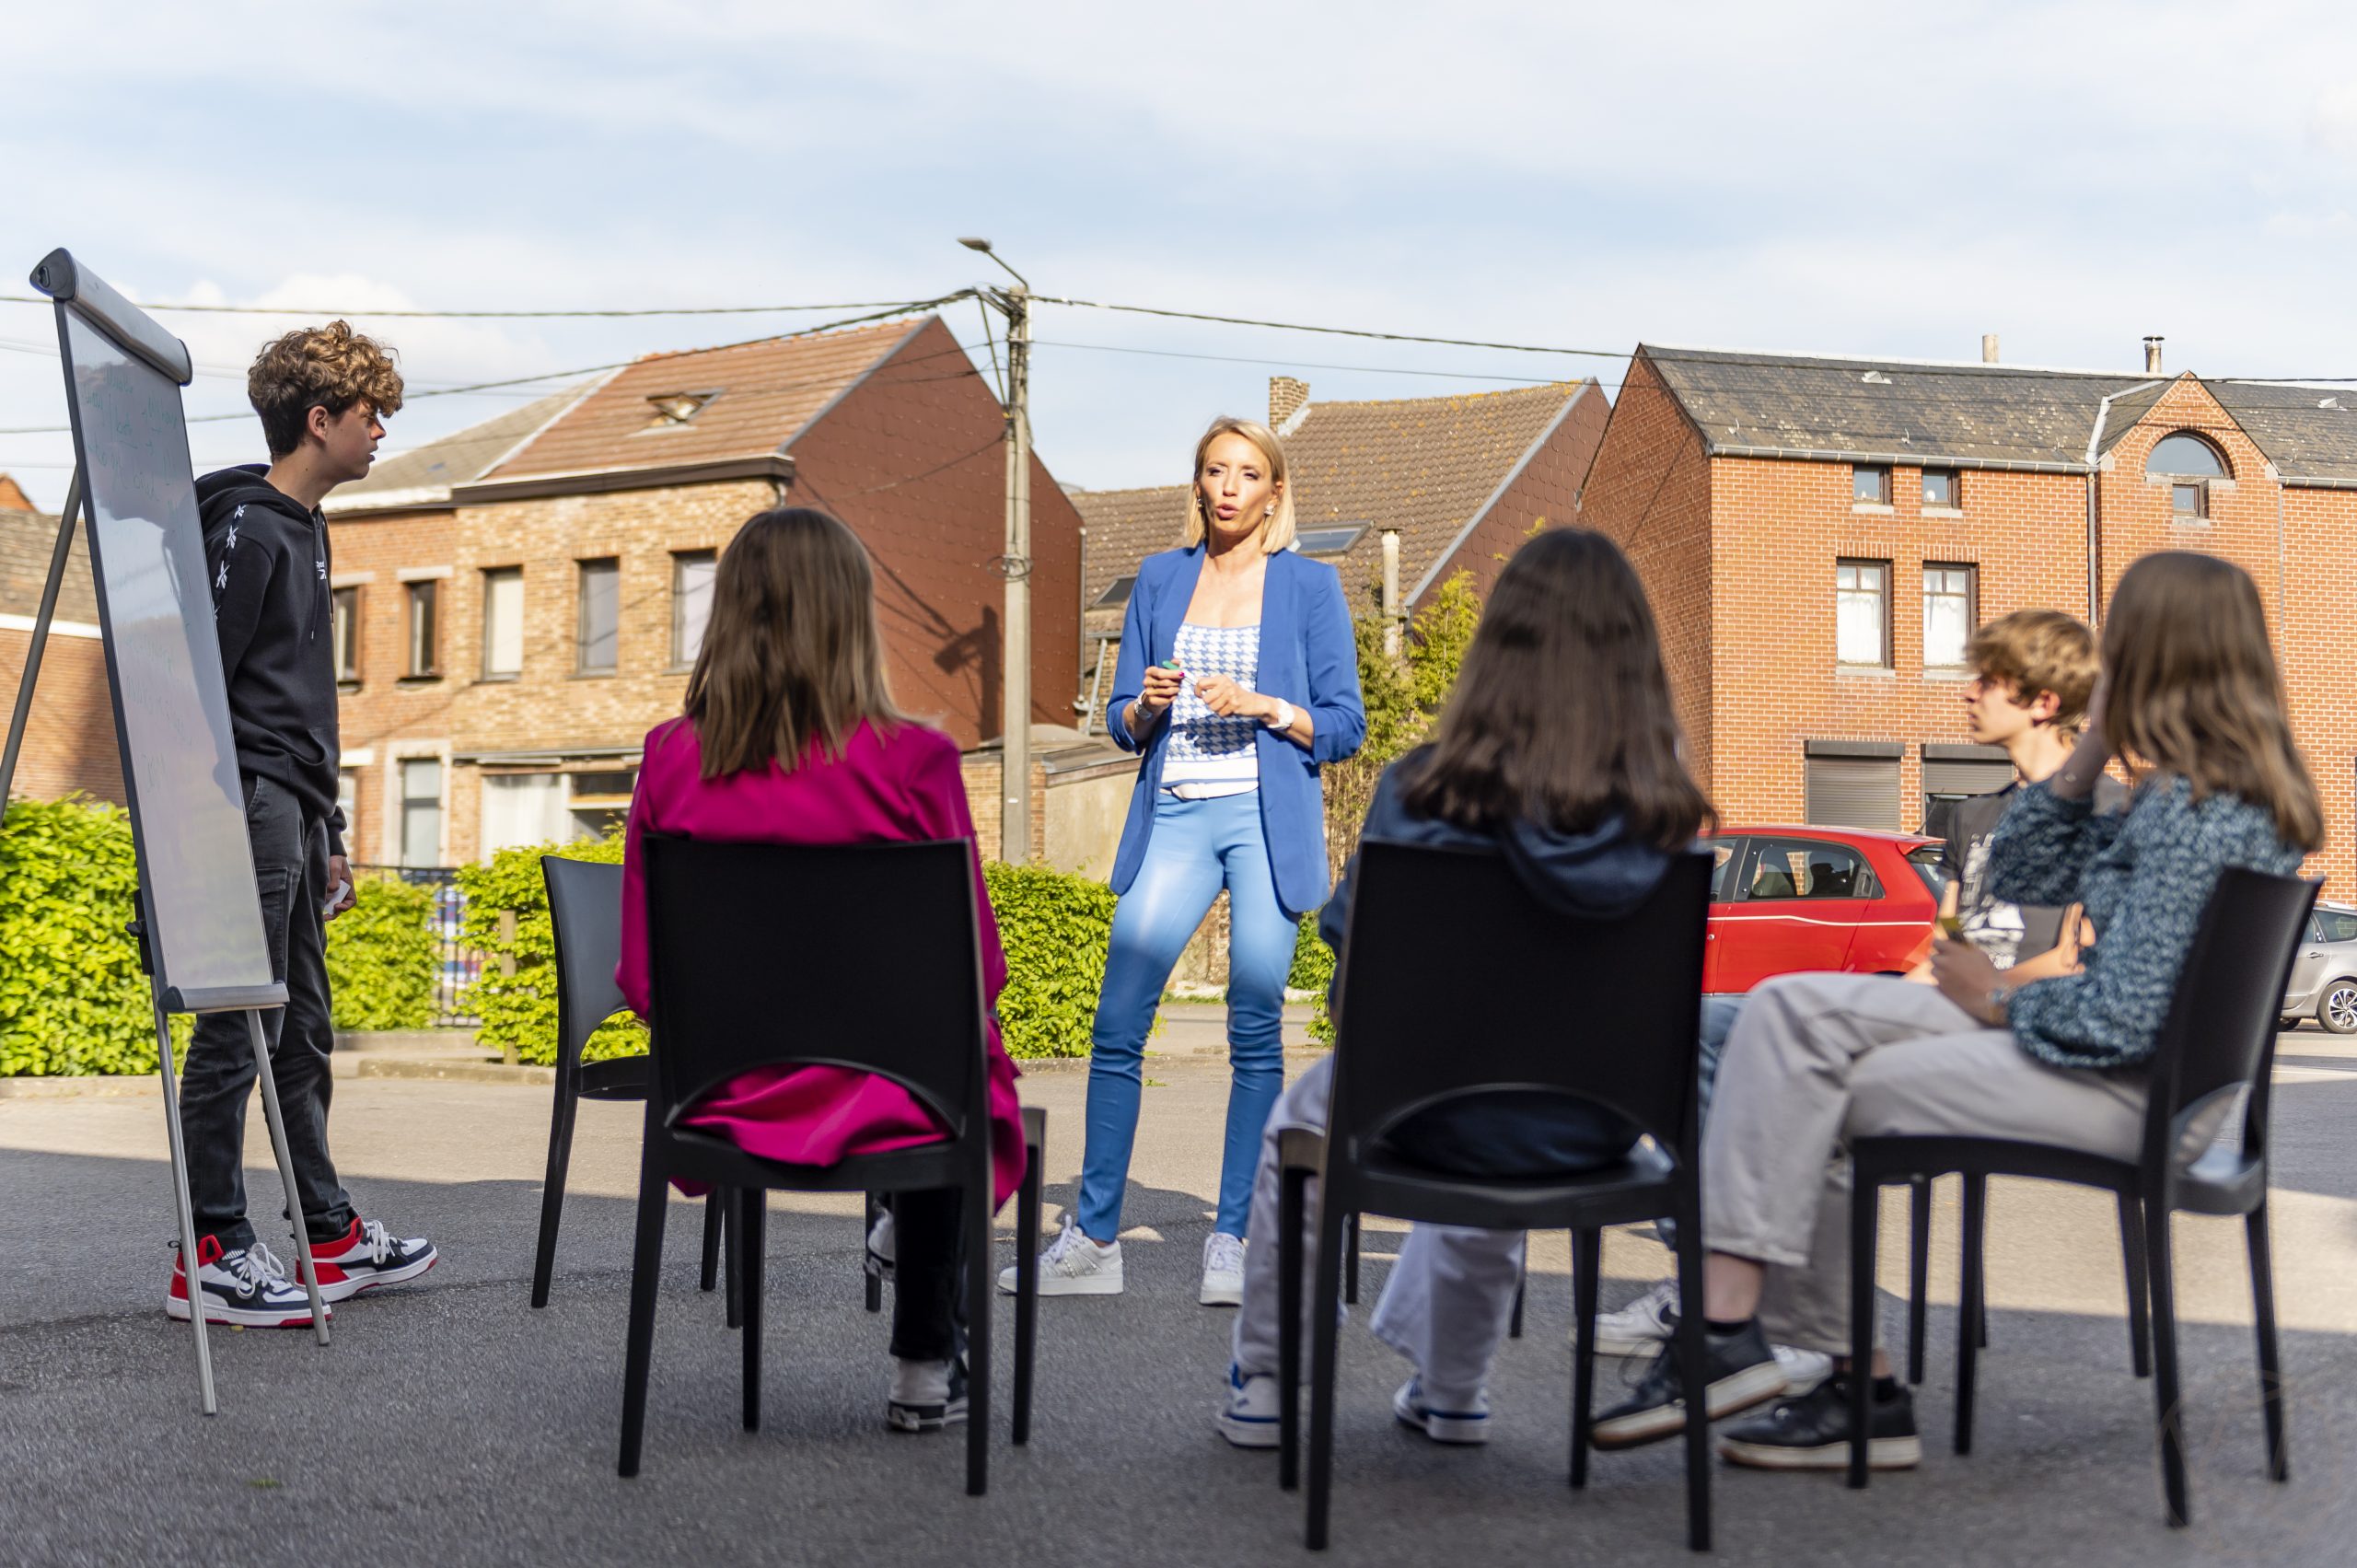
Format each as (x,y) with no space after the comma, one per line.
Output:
(790,736)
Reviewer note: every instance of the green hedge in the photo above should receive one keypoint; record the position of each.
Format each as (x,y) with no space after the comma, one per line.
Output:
(518,1011)
(381,957)
(1055,926)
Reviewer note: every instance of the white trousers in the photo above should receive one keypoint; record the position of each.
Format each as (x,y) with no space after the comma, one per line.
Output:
(1445,1306)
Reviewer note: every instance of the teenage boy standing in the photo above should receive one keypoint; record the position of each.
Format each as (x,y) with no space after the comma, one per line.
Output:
(321,394)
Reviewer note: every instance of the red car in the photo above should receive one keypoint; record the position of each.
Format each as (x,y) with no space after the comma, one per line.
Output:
(1841,898)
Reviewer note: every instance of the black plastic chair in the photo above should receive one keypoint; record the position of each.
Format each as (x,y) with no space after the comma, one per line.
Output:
(858,955)
(585,910)
(2218,1041)
(1614,1025)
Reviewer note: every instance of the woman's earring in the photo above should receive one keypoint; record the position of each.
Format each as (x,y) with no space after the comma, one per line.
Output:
(1270,510)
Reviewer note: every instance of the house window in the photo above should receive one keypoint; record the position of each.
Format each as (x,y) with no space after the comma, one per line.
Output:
(599,630)
(424,628)
(1328,541)
(1940,488)
(1949,613)
(1870,485)
(524,808)
(1117,594)
(503,623)
(1954,774)
(422,811)
(600,803)
(347,801)
(347,635)
(1861,613)
(2187,464)
(691,574)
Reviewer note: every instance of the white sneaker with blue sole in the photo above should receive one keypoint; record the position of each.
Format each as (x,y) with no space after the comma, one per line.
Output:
(1468,1425)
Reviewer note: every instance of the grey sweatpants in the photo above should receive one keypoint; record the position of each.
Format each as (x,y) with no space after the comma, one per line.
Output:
(1817,1060)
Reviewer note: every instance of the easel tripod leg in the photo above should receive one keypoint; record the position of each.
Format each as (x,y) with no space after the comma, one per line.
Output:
(286,1173)
(184,1210)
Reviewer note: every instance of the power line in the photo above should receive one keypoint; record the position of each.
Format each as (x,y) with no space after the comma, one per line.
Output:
(512,315)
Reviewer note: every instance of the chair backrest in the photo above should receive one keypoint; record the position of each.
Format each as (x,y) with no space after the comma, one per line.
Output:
(1456,980)
(2220,1032)
(586,909)
(861,956)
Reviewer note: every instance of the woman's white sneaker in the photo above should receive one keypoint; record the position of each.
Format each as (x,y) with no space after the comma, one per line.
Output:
(1073,1265)
(1642,1327)
(1222,1271)
(1250,1419)
(1469,1424)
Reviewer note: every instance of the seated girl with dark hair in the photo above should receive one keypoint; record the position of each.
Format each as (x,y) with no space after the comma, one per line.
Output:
(790,736)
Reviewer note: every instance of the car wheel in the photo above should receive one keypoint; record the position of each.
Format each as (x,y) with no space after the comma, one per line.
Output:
(2288,1022)
(2337,1008)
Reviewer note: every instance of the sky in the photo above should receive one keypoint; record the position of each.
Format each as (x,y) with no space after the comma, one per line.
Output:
(1849,179)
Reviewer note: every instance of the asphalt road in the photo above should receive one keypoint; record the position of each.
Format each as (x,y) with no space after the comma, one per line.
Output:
(450,1423)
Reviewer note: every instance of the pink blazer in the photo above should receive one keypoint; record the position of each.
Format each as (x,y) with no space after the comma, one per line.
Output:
(903,786)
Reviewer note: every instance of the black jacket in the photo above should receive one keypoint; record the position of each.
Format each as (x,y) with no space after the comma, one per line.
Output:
(267,559)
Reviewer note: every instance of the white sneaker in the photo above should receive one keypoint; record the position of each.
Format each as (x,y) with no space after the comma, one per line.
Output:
(1468,1426)
(1222,1271)
(926,1395)
(1803,1369)
(1073,1265)
(879,1247)
(1642,1327)
(1250,1419)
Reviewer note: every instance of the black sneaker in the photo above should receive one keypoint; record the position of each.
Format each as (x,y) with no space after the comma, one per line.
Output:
(1812,1432)
(926,1395)
(1742,1371)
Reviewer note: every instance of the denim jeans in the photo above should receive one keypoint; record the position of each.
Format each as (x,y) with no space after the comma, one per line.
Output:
(291,871)
(1198,847)
(929,1275)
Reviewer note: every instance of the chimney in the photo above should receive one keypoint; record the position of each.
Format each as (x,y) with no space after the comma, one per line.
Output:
(1987,348)
(2152,354)
(1285,397)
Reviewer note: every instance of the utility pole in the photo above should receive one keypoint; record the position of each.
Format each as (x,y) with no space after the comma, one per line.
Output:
(1014,655)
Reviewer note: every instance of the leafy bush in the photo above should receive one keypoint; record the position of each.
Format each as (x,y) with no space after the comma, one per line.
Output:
(1313,962)
(519,1011)
(381,957)
(72,997)
(1055,928)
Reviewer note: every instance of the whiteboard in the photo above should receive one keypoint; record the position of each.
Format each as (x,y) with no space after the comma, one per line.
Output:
(171,703)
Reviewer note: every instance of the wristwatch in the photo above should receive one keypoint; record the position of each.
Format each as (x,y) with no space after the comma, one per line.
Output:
(1282,717)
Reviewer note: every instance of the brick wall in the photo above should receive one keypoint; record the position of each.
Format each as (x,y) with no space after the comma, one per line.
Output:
(1542,495)
(69,735)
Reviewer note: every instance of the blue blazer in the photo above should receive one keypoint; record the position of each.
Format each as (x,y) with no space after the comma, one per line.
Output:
(1308,656)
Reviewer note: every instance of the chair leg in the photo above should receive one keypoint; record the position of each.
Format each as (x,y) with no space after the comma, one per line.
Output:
(1587,1252)
(1350,1259)
(2131,1248)
(552,1187)
(754,1233)
(1521,1288)
(874,1281)
(1026,1291)
(732,1221)
(2166,1395)
(645,1275)
(1693,1364)
(1972,1306)
(1919,1270)
(980,1288)
(1865,1220)
(1323,1311)
(1293,1187)
(715,1207)
(2271,1366)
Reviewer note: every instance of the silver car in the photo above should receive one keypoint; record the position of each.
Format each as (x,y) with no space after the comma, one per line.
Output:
(2324,976)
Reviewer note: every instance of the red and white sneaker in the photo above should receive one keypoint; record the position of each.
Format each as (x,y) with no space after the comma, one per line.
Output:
(367,1256)
(246,1286)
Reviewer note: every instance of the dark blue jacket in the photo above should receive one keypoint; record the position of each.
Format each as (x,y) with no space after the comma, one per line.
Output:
(1307,657)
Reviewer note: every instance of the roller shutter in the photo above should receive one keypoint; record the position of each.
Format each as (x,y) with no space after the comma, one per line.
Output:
(1852,784)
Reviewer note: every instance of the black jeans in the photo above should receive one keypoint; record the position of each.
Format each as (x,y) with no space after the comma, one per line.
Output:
(290,871)
(929,1275)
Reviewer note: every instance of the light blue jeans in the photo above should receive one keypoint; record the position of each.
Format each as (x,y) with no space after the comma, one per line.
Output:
(1198,847)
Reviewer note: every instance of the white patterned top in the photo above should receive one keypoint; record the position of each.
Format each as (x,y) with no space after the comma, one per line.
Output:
(1210,755)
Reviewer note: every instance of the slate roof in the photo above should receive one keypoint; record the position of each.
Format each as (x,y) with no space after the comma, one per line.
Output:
(1124,528)
(2309,433)
(760,397)
(423,475)
(27,541)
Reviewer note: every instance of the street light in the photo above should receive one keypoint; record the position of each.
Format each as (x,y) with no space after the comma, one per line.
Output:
(1014,646)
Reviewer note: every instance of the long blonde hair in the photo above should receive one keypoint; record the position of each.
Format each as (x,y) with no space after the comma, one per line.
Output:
(2192,689)
(1277,530)
(793,656)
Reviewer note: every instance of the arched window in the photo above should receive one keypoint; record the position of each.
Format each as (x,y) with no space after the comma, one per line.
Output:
(2186,463)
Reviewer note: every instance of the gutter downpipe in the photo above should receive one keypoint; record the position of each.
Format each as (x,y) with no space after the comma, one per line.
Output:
(2095,531)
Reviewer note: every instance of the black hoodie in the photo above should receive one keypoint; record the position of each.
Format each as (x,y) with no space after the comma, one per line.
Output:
(267,558)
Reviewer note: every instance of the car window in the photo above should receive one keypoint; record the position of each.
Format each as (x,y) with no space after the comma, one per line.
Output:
(1807,868)
(1722,869)
(1926,862)
(2339,925)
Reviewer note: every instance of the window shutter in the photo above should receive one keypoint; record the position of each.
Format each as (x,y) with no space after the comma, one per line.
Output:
(1853,792)
(1965,776)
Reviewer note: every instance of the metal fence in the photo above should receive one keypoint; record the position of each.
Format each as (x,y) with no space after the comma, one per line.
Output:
(456,965)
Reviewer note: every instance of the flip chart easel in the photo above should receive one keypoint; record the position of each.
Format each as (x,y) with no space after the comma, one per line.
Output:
(199,925)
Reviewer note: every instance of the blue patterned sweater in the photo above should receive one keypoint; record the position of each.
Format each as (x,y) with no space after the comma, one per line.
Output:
(2144,876)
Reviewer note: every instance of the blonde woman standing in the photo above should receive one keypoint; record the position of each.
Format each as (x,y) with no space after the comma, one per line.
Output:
(1238,678)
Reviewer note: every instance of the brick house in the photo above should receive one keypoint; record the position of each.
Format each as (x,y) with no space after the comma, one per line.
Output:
(519,603)
(1459,480)
(69,735)
(1819,535)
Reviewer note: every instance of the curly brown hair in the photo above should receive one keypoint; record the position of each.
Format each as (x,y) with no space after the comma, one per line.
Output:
(331,368)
